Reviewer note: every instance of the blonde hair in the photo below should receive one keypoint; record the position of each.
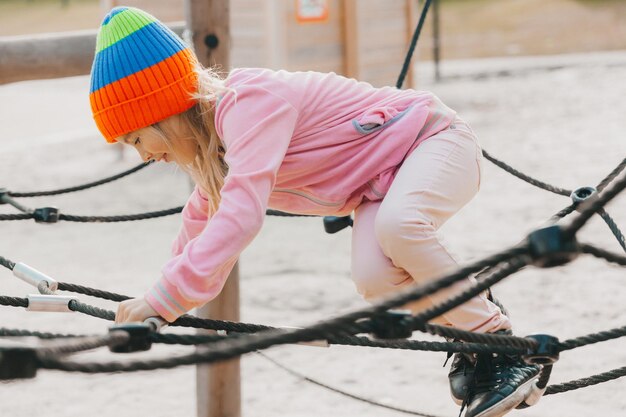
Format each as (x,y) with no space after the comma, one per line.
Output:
(208,168)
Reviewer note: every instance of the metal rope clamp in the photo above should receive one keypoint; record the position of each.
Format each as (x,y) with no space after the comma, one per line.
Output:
(583,194)
(33,277)
(46,215)
(50,303)
(3,192)
(392,324)
(17,362)
(546,352)
(548,248)
(139,333)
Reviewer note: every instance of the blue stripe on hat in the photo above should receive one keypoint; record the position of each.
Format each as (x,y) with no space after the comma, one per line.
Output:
(113,12)
(141,49)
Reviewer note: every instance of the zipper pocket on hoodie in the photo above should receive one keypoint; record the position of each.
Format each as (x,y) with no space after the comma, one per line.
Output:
(367,128)
(308,197)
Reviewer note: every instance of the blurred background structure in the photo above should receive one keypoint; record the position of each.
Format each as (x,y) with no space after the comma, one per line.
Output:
(365,39)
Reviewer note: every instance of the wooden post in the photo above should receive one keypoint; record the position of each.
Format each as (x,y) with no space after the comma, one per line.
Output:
(352,64)
(218,386)
(209,23)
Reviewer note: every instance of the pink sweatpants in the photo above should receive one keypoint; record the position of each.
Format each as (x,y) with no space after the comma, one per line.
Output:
(395,243)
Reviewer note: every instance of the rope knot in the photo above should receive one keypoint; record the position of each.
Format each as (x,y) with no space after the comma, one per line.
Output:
(546,352)
(46,215)
(549,247)
(17,361)
(138,340)
(3,193)
(392,324)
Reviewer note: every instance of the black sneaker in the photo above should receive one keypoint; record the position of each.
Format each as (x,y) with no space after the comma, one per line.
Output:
(501,383)
(461,375)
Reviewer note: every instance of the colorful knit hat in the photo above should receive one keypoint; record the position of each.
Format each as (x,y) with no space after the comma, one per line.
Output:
(142,73)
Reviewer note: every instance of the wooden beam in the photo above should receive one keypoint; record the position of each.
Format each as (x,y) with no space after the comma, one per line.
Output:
(218,386)
(50,55)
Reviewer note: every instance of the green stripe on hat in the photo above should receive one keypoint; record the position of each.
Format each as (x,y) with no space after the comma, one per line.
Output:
(127,22)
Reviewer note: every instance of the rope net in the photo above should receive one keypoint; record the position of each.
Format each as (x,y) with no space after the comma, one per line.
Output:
(375,326)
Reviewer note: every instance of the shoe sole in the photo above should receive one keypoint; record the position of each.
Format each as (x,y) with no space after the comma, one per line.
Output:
(533,397)
(510,402)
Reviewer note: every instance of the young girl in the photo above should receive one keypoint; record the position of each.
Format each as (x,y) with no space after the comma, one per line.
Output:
(306,143)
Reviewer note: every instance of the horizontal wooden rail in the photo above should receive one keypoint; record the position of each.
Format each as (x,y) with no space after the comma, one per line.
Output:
(50,55)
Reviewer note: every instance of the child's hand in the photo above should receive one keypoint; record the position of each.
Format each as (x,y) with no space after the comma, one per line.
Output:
(136,309)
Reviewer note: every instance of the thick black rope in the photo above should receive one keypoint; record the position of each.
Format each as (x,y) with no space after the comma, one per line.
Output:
(528,179)
(407,344)
(5,332)
(213,355)
(91,310)
(79,289)
(564,212)
(404,344)
(586,382)
(592,338)
(187,320)
(603,254)
(124,218)
(183,321)
(82,344)
(613,226)
(8,301)
(22,216)
(7,263)
(515,343)
(343,340)
(80,187)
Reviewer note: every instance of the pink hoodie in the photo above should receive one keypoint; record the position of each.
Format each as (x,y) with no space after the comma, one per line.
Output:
(302,142)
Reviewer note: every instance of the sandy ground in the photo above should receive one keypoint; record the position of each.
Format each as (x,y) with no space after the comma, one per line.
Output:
(560,119)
